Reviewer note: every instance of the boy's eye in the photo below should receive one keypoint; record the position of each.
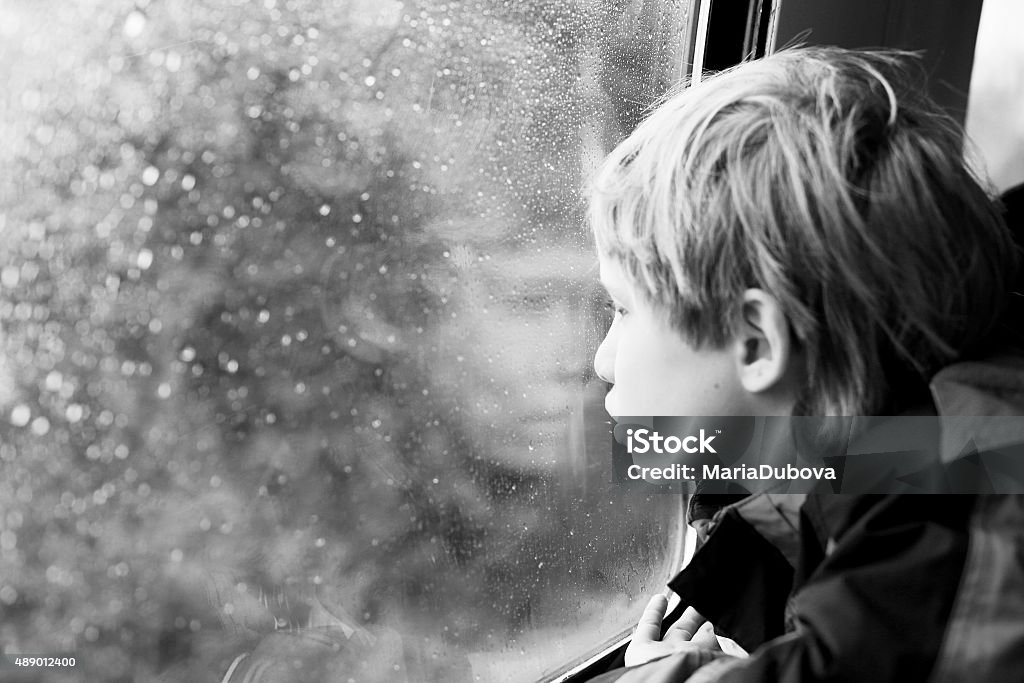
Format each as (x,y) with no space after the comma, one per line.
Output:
(615,308)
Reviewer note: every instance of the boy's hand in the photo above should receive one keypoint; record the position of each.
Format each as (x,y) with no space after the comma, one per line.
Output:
(690,631)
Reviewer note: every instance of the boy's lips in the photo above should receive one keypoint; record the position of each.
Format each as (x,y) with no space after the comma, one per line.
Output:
(609,404)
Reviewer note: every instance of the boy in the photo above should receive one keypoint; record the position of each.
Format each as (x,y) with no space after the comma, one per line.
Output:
(801,236)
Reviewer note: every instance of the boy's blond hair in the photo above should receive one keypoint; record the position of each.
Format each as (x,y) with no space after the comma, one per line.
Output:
(826,178)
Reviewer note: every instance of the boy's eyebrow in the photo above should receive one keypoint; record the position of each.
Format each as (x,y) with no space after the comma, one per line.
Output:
(608,288)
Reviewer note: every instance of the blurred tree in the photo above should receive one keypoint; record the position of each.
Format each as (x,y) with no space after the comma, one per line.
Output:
(250,292)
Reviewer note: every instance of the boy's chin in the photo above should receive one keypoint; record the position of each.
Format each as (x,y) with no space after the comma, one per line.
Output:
(619,410)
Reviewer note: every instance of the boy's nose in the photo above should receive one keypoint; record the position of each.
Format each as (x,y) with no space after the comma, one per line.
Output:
(604,360)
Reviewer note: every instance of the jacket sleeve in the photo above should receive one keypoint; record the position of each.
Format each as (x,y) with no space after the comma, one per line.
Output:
(742,575)
(875,609)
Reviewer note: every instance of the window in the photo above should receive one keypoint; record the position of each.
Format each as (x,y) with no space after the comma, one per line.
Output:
(298,309)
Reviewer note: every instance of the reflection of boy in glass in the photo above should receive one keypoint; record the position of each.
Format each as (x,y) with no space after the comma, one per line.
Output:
(800,235)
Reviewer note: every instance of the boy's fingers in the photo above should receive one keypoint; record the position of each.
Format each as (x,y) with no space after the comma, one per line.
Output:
(686,626)
(649,627)
(705,637)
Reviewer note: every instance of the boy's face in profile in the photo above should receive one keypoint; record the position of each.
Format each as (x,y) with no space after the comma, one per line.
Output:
(653,369)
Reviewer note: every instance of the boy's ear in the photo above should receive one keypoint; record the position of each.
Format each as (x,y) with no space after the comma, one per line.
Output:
(763,345)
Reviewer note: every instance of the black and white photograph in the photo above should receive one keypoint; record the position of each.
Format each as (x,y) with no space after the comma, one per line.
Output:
(511,341)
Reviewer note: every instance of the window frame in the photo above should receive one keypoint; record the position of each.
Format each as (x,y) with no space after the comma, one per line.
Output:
(757,34)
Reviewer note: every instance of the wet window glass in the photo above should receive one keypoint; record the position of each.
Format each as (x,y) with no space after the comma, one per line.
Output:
(297,310)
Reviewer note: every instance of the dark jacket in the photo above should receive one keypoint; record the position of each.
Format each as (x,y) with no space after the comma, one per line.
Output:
(866,588)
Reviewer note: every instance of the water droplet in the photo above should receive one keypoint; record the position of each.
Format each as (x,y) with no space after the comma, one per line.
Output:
(40,426)
(10,276)
(135,24)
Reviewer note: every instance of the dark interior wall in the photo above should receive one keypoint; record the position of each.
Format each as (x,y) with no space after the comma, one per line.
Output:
(943,30)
